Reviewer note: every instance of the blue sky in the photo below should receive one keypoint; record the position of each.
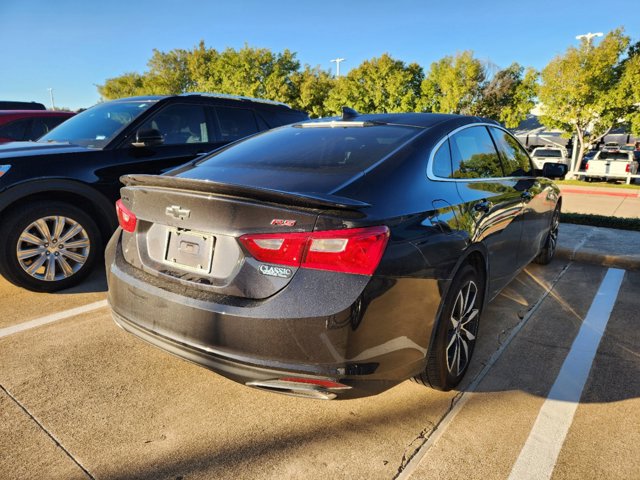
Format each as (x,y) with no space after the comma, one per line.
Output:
(72,45)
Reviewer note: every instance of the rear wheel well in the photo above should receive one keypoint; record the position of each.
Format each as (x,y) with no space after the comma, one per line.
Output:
(80,201)
(477,261)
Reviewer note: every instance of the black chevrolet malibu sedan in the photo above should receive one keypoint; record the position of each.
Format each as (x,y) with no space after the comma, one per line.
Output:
(332,258)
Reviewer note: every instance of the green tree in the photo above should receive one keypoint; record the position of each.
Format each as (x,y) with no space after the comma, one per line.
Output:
(126,85)
(253,72)
(509,96)
(312,87)
(453,85)
(379,85)
(582,91)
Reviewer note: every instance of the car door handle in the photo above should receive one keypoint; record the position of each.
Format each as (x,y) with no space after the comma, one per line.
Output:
(526,195)
(483,206)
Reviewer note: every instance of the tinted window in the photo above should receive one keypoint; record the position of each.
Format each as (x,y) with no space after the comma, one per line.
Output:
(442,161)
(516,161)
(14,130)
(614,155)
(98,125)
(474,155)
(235,123)
(545,152)
(38,129)
(345,149)
(180,124)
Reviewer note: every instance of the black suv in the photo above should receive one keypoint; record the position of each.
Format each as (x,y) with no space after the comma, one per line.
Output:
(57,194)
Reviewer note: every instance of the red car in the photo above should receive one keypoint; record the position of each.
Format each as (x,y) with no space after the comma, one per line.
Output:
(25,125)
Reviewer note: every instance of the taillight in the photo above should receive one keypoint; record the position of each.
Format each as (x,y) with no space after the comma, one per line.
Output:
(628,169)
(126,218)
(353,250)
(586,167)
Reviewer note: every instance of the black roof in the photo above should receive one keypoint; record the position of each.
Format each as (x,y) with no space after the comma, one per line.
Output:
(220,96)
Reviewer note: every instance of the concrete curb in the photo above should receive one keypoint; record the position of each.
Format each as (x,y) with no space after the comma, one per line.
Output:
(627,262)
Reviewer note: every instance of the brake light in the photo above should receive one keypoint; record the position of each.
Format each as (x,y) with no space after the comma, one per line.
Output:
(126,218)
(353,250)
(628,168)
(586,167)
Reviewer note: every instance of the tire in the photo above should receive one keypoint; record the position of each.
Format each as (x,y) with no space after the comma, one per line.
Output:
(549,249)
(455,338)
(46,264)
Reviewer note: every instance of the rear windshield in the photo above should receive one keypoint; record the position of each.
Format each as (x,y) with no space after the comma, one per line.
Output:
(344,149)
(614,156)
(547,153)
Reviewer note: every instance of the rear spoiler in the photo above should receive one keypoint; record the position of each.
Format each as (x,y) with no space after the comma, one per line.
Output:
(309,200)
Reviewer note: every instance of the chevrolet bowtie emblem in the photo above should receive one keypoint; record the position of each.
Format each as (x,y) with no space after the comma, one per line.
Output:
(176,212)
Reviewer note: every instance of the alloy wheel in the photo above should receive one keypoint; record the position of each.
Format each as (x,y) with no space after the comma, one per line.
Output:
(53,248)
(462,329)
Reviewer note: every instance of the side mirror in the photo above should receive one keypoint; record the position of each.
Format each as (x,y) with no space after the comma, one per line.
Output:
(148,138)
(554,170)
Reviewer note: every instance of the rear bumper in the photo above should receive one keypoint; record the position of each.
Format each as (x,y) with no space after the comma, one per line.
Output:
(323,325)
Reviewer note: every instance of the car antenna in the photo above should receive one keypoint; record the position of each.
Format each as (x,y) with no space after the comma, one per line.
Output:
(349,113)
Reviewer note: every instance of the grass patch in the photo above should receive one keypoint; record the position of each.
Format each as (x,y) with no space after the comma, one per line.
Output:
(598,184)
(601,221)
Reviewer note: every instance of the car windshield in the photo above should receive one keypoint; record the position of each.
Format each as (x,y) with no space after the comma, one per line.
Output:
(324,149)
(547,152)
(97,126)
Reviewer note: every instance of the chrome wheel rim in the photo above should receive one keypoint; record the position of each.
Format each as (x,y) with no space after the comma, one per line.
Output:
(53,248)
(463,328)
(553,232)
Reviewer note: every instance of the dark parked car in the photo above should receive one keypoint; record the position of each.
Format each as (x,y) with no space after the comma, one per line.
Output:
(26,125)
(57,195)
(13,105)
(332,258)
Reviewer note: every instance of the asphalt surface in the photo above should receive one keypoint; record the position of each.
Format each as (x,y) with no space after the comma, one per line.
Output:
(80,398)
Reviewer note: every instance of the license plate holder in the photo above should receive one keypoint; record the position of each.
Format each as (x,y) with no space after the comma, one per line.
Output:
(190,250)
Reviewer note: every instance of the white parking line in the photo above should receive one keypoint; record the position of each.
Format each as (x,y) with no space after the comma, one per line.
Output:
(540,452)
(54,317)
(461,399)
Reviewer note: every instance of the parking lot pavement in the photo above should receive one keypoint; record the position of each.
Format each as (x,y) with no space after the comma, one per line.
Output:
(119,408)
(487,436)
(18,305)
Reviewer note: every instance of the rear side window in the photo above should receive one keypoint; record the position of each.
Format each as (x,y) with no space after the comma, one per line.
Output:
(474,155)
(442,161)
(180,124)
(323,149)
(15,130)
(235,123)
(546,152)
(515,160)
(614,156)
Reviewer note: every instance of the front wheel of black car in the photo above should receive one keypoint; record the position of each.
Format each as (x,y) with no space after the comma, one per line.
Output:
(549,249)
(455,339)
(48,246)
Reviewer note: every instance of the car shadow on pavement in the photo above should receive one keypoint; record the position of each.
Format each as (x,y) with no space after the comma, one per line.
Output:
(95,282)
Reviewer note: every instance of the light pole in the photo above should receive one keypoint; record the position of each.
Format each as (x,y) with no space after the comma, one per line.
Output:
(589,36)
(337,62)
(53,105)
